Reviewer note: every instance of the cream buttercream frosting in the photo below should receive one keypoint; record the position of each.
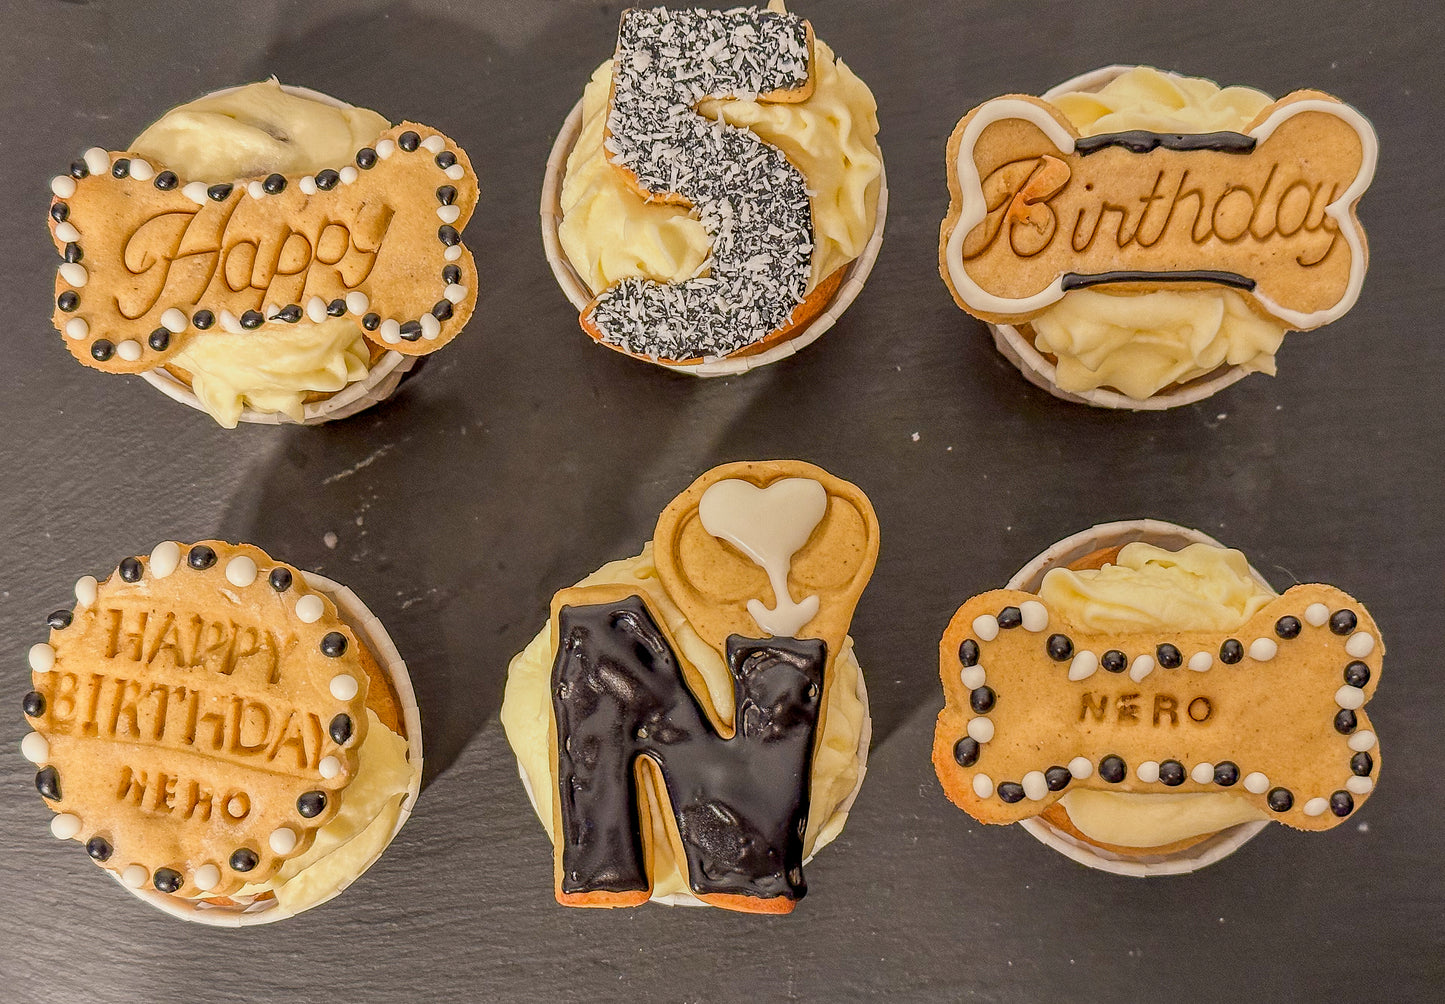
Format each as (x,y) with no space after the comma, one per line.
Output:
(609,232)
(1140,343)
(527,715)
(1201,587)
(254,130)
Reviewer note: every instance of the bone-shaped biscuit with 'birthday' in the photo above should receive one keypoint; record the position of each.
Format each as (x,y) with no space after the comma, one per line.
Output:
(1273,712)
(1038,211)
(151,260)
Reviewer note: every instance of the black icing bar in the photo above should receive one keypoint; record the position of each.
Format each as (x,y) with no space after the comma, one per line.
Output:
(1143,141)
(1077,280)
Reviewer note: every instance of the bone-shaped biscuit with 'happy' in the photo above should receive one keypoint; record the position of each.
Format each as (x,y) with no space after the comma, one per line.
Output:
(1038,211)
(1035,706)
(151,259)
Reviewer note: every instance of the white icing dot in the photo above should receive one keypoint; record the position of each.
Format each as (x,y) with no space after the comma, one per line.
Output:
(1256,783)
(307,185)
(229,322)
(385,149)
(237,807)
(1035,615)
(282,840)
(348,174)
(309,609)
(1035,785)
(982,785)
(984,625)
(97,160)
(390,331)
(980,729)
(1201,661)
(430,327)
(174,320)
(1263,649)
(1202,773)
(357,302)
(1084,665)
(455,172)
(76,327)
(1316,614)
(62,186)
(457,293)
(207,877)
(74,274)
(435,144)
(452,253)
(449,214)
(42,657)
(1148,771)
(35,748)
(1359,785)
(972,677)
(196,192)
(66,232)
(85,590)
(129,350)
(1361,741)
(241,571)
(1316,807)
(316,310)
(1081,767)
(1350,697)
(1143,665)
(1360,644)
(165,559)
(329,767)
(256,190)
(344,687)
(135,876)
(141,170)
(65,826)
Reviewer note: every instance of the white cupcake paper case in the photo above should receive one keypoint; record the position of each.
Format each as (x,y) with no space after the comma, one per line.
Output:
(1222,844)
(373,635)
(580,296)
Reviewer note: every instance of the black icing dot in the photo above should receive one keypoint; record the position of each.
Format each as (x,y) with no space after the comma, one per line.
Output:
(1342,803)
(446,159)
(1287,627)
(442,309)
(408,141)
(291,313)
(447,234)
(1357,674)
(59,212)
(411,330)
(201,557)
(966,751)
(327,180)
(333,644)
(1059,647)
(33,704)
(1057,778)
(1343,621)
(1280,799)
(1231,652)
(78,170)
(1113,769)
(1345,721)
(981,699)
(166,180)
(121,168)
(1115,661)
(131,570)
(68,300)
(243,859)
(371,322)
(336,308)
(446,195)
(340,729)
(1361,764)
(203,319)
(1226,774)
(451,274)
(366,158)
(252,319)
(167,880)
(101,350)
(968,652)
(311,804)
(72,252)
(1168,656)
(99,848)
(280,579)
(59,619)
(1171,772)
(47,782)
(1010,617)
(219,193)
(159,339)
(274,184)
(1011,791)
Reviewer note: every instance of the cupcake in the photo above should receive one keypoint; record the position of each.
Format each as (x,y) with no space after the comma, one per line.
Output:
(1181,311)
(1140,699)
(692,725)
(741,234)
(273,254)
(234,740)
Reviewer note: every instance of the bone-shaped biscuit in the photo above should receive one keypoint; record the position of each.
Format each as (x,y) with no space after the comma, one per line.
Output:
(1038,211)
(150,259)
(1036,706)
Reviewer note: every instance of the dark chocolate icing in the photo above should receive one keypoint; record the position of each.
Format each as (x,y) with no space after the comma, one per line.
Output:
(1143,141)
(1076,280)
(741,804)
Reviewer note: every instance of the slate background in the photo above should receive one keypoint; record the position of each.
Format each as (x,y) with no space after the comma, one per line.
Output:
(524,456)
